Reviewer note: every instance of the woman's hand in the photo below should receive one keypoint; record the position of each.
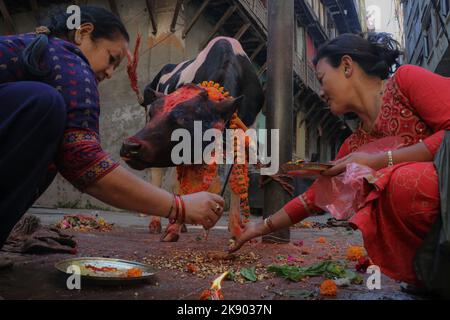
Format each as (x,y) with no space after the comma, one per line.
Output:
(203,208)
(374,161)
(251,231)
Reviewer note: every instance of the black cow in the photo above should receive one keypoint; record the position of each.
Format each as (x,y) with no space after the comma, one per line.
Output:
(223,61)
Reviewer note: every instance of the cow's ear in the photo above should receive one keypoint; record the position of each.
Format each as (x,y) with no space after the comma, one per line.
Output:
(151,96)
(227,107)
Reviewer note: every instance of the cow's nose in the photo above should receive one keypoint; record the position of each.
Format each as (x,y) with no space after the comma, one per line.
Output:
(131,148)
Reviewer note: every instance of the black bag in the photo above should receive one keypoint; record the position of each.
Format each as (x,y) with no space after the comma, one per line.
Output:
(432,260)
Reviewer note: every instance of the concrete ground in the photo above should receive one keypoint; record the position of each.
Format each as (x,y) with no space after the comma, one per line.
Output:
(34,276)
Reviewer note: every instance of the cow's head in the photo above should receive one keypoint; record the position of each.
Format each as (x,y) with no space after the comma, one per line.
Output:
(152,146)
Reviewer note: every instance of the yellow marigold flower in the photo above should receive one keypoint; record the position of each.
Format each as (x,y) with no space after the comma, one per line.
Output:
(354,253)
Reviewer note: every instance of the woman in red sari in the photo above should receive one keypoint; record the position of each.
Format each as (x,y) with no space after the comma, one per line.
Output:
(402,203)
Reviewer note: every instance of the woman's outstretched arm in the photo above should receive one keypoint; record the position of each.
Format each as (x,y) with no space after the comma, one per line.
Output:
(122,189)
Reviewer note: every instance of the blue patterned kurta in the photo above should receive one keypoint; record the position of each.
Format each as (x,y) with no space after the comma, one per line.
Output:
(81,159)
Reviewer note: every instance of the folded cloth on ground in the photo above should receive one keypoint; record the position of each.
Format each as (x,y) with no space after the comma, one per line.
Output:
(29,236)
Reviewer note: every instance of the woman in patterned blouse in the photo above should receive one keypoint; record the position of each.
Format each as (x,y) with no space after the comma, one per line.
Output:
(49,122)
(402,202)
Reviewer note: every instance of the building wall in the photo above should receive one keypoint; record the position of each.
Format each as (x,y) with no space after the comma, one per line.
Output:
(300,146)
(311,140)
(426,42)
(121,116)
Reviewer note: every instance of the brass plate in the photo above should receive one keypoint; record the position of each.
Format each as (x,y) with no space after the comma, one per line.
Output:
(118,276)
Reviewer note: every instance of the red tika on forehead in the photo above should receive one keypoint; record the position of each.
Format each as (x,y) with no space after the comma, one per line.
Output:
(181,95)
(185,93)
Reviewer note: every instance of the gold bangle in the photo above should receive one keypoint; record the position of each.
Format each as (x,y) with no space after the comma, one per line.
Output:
(390,158)
(268,223)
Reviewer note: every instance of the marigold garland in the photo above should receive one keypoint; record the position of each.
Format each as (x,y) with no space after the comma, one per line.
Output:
(200,177)
(239,180)
(196,178)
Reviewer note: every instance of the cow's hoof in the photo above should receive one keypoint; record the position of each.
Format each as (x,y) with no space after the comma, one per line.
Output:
(184,229)
(171,234)
(170,237)
(155,227)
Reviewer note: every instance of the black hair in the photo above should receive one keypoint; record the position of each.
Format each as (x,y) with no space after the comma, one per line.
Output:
(376,53)
(106,26)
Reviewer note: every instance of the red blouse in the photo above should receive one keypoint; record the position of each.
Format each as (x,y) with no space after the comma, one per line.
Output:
(415,107)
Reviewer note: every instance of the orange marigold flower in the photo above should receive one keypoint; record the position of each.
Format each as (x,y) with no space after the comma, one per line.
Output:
(354,253)
(306,224)
(205,295)
(328,288)
(191,268)
(321,240)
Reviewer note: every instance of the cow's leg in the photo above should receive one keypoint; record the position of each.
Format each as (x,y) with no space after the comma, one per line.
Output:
(156,179)
(172,232)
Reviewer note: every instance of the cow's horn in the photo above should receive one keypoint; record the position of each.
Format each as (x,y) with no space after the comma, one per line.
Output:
(150,96)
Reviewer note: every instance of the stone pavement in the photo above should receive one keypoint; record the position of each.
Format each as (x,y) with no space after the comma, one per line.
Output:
(34,276)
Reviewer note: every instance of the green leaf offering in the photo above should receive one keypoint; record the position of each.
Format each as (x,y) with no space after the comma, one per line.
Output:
(329,269)
(249,274)
(231,275)
(301,294)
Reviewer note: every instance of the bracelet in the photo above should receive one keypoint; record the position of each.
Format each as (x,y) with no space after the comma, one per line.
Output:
(268,223)
(177,212)
(183,210)
(390,158)
(171,207)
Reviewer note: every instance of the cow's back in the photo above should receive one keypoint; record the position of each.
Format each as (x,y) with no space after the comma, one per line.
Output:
(222,61)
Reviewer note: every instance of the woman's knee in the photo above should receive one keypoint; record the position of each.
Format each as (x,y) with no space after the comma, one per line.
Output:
(48,105)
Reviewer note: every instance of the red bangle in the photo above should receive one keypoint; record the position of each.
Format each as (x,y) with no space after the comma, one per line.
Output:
(183,210)
(171,207)
(177,212)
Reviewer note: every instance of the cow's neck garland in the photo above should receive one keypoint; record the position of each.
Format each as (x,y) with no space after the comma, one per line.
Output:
(195,178)
(239,180)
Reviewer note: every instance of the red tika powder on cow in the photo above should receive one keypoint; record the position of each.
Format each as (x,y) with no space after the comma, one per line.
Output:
(183,94)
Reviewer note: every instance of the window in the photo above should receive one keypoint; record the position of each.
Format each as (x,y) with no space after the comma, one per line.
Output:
(426,45)
(445,5)
(427,33)
(420,60)
(316,8)
(436,25)
(300,42)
